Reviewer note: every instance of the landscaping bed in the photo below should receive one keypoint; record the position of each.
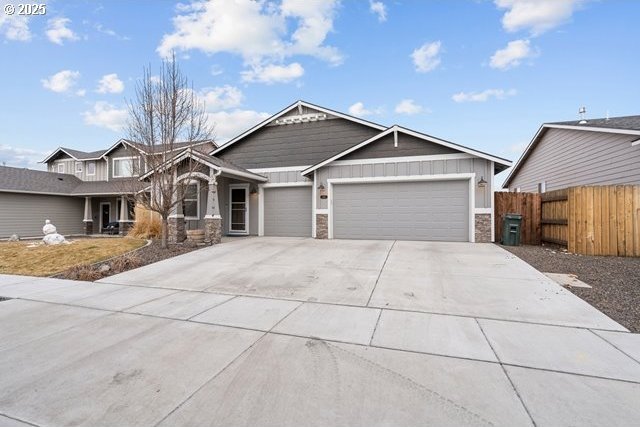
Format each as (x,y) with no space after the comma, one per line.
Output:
(33,258)
(615,281)
(141,257)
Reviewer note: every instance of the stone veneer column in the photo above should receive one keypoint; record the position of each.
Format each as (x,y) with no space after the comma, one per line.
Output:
(125,223)
(177,233)
(322,226)
(483,228)
(88,216)
(213,220)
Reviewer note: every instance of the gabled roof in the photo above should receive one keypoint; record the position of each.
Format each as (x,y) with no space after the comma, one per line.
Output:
(213,162)
(148,149)
(296,104)
(503,163)
(74,154)
(627,125)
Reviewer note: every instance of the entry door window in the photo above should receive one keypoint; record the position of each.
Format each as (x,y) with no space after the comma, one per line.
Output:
(238,207)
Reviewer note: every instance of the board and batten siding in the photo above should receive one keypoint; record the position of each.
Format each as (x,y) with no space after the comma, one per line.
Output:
(296,144)
(566,158)
(481,167)
(283,177)
(24,214)
(407,145)
(70,168)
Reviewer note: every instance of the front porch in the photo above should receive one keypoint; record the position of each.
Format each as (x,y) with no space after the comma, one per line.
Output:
(110,214)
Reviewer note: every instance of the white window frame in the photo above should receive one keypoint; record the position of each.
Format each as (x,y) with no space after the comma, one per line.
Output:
(133,172)
(79,167)
(470,177)
(542,187)
(247,217)
(59,168)
(197,199)
(94,168)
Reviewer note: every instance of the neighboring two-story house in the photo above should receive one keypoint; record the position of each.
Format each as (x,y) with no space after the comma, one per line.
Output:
(582,152)
(306,171)
(81,192)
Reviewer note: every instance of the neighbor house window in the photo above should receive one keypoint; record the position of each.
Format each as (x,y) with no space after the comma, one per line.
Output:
(124,167)
(91,168)
(78,167)
(60,167)
(542,187)
(191,203)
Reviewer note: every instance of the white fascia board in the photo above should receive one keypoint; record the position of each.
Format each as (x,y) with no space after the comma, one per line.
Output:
(59,149)
(636,142)
(594,129)
(404,178)
(121,141)
(281,169)
(285,111)
(288,184)
(516,166)
(426,158)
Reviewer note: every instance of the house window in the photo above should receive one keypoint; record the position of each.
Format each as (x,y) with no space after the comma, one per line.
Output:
(91,168)
(60,167)
(78,167)
(191,203)
(124,167)
(542,187)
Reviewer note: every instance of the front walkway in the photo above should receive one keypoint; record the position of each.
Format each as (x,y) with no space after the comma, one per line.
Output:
(315,333)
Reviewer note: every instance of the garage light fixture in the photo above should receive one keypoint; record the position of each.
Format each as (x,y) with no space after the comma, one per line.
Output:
(482,183)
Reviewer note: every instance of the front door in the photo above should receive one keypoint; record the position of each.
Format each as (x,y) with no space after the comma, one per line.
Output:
(239,210)
(105,214)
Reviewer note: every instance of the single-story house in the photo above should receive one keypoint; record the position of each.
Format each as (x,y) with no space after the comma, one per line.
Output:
(583,152)
(310,171)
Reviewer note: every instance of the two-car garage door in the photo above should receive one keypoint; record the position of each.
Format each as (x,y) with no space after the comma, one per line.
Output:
(416,210)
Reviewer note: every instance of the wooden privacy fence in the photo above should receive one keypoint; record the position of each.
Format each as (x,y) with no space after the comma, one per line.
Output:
(588,220)
(525,204)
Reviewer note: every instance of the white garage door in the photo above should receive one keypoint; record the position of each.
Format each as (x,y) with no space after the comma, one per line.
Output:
(287,211)
(421,210)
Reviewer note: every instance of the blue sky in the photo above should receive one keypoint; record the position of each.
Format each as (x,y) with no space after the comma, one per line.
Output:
(480,73)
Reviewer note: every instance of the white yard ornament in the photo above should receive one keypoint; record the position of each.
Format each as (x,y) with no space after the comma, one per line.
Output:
(51,236)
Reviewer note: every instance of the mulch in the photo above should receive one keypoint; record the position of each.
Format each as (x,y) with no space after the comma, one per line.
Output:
(144,256)
(615,281)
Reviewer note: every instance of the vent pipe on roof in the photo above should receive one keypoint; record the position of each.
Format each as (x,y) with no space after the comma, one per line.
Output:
(582,111)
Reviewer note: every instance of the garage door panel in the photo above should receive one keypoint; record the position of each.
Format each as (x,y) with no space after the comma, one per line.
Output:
(421,210)
(287,211)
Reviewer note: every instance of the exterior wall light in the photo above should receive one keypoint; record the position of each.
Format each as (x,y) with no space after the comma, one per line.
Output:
(323,191)
(482,183)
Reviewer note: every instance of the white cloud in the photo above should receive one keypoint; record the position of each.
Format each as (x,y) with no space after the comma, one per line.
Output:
(483,96)
(102,29)
(426,57)
(538,16)
(221,97)
(273,73)
(110,83)
(14,27)
(58,31)
(81,92)
(229,124)
(106,115)
(408,106)
(62,81)
(21,157)
(262,33)
(358,109)
(216,70)
(378,8)
(512,55)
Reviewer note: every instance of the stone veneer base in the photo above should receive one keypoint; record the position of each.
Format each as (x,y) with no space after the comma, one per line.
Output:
(322,226)
(483,228)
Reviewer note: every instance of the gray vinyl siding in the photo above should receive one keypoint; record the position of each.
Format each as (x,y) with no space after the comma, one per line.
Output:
(424,210)
(481,167)
(24,214)
(565,158)
(407,146)
(299,144)
(70,168)
(122,151)
(287,211)
(284,177)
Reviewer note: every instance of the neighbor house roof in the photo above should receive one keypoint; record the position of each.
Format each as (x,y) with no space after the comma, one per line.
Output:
(297,104)
(21,180)
(628,125)
(501,163)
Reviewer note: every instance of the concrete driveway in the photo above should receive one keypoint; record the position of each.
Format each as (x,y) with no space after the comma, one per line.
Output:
(280,331)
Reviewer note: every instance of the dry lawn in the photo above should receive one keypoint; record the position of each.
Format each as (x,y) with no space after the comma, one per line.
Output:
(43,260)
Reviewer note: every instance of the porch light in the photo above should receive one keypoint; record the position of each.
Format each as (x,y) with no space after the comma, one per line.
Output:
(320,187)
(253,191)
(482,183)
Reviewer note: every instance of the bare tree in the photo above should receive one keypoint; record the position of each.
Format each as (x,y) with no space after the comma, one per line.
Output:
(165,119)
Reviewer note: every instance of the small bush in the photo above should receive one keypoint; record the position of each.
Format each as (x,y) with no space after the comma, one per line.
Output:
(125,263)
(148,224)
(87,273)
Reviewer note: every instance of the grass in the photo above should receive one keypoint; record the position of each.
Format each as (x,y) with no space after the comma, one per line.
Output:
(43,260)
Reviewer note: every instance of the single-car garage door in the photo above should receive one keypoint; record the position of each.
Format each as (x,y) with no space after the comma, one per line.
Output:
(417,210)
(287,211)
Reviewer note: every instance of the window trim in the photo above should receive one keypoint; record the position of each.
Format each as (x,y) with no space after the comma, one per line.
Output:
(79,170)
(197,200)
(94,168)
(58,167)
(133,172)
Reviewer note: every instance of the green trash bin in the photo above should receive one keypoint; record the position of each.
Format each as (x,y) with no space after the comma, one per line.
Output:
(511,229)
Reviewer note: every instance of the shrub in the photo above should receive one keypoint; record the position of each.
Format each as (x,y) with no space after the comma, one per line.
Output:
(148,224)
(125,262)
(87,273)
